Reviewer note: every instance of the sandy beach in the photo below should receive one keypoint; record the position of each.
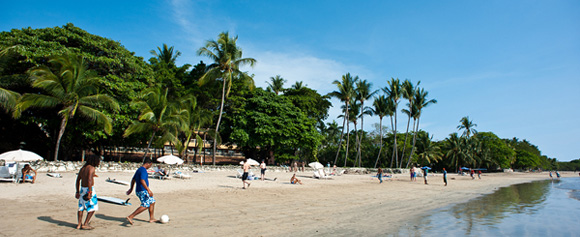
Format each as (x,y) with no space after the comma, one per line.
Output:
(214,204)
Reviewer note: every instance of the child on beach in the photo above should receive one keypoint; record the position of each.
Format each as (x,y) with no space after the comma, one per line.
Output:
(479,174)
(143,192)
(557,174)
(380,175)
(551,175)
(85,192)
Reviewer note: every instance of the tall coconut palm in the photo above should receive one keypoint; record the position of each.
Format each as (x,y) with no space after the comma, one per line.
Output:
(468,125)
(363,93)
(420,102)
(8,98)
(276,84)
(455,149)
(408,92)
(165,55)
(427,150)
(353,118)
(393,91)
(227,57)
(382,107)
(345,93)
(73,89)
(157,115)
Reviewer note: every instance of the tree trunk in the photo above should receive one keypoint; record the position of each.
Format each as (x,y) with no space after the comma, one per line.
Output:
(362,133)
(414,139)
(395,149)
(381,135)
(149,144)
(347,135)
(340,141)
(60,133)
(217,127)
(357,147)
(406,135)
(393,153)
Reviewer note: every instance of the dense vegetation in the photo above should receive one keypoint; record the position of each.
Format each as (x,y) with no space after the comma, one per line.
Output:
(64,91)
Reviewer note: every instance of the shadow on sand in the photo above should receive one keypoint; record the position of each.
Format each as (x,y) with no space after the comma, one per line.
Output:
(57,222)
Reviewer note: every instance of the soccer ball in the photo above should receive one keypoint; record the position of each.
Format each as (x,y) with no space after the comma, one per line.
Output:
(164,219)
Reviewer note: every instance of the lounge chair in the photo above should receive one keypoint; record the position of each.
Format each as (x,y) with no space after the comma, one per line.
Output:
(320,174)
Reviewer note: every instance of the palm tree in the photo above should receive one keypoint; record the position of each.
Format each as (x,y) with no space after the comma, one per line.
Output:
(298,85)
(227,57)
(157,115)
(420,102)
(393,91)
(73,89)
(8,98)
(165,55)
(427,150)
(363,93)
(276,85)
(344,93)
(455,149)
(381,107)
(468,125)
(353,118)
(408,92)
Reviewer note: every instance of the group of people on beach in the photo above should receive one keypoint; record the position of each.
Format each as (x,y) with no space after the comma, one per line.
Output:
(85,192)
(246,174)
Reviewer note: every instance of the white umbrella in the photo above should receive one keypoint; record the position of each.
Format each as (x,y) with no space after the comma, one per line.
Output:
(251,161)
(316,165)
(20,155)
(170,160)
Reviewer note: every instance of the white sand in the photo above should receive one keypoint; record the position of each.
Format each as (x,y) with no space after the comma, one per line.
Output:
(213,204)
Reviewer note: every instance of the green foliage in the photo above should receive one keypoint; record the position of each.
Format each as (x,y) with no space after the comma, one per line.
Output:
(573,165)
(501,154)
(274,123)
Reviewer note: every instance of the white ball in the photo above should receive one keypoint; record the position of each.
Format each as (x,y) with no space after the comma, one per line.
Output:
(164,219)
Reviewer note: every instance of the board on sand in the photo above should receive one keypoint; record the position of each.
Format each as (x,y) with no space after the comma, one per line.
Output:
(117,181)
(114,200)
(54,175)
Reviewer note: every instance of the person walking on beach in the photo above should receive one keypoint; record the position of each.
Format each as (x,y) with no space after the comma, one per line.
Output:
(85,192)
(263,169)
(380,175)
(246,168)
(479,174)
(425,172)
(445,176)
(412,172)
(143,192)
(557,174)
(551,175)
(471,172)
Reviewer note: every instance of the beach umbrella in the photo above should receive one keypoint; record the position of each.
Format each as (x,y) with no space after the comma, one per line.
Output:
(425,168)
(20,155)
(316,165)
(170,160)
(464,168)
(251,162)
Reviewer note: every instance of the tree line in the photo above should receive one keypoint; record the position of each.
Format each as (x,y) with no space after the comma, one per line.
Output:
(64,90)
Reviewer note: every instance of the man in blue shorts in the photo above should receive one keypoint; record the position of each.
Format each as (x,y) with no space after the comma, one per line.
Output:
(143,192)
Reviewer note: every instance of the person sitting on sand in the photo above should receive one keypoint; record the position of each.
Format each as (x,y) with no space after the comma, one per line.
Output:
(295,180)
(161,172)
(27,173)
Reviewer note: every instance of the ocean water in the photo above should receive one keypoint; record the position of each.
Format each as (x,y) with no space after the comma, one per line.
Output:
(541,208)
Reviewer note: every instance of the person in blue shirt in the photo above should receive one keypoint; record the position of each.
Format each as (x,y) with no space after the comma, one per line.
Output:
(445,176)
(143,192)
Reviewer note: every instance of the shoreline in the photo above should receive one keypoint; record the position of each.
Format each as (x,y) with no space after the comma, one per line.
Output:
(213,203)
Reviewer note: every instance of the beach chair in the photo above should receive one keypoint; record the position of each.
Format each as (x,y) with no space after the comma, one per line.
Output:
(5,175)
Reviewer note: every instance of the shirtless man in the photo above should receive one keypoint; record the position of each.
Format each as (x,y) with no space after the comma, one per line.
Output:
(263,169)
(27,173)
(295,180)
(86,195)
(246,168)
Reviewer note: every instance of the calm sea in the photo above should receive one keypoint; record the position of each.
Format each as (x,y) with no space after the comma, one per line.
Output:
(542,208)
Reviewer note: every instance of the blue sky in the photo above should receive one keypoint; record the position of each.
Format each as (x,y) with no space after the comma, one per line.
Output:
(513,67)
